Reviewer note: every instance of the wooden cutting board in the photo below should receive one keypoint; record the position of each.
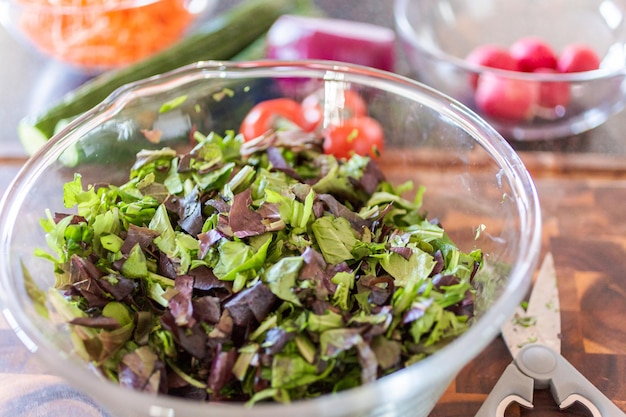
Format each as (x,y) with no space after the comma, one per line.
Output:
(583,201)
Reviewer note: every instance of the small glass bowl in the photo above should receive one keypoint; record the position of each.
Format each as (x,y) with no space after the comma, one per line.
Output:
(476,186)
(438,35)
(95,35)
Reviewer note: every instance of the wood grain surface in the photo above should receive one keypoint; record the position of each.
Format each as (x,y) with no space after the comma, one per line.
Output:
(584,218)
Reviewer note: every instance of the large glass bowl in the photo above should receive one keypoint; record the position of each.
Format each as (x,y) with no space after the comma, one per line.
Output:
(95,35)
(438,35)
(476,186)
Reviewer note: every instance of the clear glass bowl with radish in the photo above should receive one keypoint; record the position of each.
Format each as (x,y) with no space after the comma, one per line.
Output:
(535,70)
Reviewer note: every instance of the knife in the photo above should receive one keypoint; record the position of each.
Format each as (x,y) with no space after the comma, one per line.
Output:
(533,337)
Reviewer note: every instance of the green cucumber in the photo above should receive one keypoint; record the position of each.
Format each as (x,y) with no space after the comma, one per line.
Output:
(221,38)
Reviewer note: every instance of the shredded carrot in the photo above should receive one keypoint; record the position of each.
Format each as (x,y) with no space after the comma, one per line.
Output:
(101,34)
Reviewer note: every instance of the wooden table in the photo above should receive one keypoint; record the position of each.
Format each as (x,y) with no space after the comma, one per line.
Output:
(582,197)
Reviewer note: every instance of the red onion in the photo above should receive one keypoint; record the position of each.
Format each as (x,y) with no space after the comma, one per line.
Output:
(297,37)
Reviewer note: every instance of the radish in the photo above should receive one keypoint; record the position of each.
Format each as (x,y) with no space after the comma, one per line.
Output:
(506,98)
(533,53)
(519,100)
(300,37)
(552,94)
(490,56)
(578,58)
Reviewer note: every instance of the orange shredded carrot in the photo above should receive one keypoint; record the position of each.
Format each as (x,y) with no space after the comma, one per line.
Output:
(101,34)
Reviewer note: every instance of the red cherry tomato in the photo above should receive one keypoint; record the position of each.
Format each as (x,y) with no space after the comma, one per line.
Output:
(269,114)
(360,135)
(350,104)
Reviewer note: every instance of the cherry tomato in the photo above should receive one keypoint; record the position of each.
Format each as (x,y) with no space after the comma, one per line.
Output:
(350,104)
(269,114)
(360,135)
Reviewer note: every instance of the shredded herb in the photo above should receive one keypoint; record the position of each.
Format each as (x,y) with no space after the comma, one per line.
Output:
(524,321)
(257,271)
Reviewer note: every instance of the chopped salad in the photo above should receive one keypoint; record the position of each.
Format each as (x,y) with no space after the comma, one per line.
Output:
(255,270)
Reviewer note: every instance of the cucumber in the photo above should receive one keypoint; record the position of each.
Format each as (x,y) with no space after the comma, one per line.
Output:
(221,38)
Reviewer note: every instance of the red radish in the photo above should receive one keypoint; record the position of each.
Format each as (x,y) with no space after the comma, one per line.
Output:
(532,53)
(300,37)
(506,98)
(491,56)
(551,93)
(578,58)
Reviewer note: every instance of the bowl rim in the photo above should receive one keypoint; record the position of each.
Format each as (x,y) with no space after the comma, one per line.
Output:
(363,397)
(408,35)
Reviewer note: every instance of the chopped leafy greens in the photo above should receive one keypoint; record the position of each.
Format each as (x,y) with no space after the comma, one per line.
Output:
(258,271)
